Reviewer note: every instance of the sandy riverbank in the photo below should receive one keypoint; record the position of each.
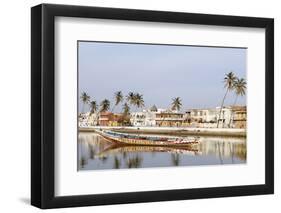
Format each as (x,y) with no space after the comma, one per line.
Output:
(223,132)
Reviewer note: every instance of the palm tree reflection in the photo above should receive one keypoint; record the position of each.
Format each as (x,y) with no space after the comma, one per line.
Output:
(175,157)
(83,162)
(117,163)
(124,154)
(134,162)
(241,151)
(218,145)
(92,152)
(103,159)
(231,151)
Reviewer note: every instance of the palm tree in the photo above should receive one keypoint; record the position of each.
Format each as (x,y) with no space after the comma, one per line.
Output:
(229,80)
(85,99)
(131,98)
(135,99)
(125,118)
(118,96)
(138,99)
(240,90)
(104,105)
(93,107)
(126,109)
(176,104)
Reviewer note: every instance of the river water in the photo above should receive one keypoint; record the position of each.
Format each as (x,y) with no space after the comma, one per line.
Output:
(95,153)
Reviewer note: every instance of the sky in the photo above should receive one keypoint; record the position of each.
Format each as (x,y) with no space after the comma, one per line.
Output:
(159,73)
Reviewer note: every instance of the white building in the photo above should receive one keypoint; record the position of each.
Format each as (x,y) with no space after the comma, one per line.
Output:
(225,116)
(138,118)
(87,119)
(146,117)
(202,115)
(209,117)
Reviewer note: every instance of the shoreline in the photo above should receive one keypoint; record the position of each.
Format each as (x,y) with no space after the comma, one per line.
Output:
(175,131)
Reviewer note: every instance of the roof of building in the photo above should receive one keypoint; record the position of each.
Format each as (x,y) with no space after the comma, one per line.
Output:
(153,109)
(106,113)
(218,107)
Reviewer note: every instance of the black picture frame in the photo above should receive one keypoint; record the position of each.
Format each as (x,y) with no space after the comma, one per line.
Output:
(43,105)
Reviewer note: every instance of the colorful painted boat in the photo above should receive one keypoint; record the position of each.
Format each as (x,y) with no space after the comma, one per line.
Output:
(147,140)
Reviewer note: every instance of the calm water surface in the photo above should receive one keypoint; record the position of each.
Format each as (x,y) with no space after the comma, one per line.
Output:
(95,153)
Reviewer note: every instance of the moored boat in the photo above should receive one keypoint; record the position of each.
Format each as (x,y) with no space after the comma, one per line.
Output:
(146,140)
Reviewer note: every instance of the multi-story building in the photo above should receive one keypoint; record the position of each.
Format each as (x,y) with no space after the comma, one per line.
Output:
(201,115)
(239,118)
(146,117)
(109,119)
(83,119)
(231,116)
(87,119)
(104,118)
(138,118)
(224,116)
(150,117)
(169,118)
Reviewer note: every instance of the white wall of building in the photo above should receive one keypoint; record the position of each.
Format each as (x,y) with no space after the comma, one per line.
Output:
(138,118)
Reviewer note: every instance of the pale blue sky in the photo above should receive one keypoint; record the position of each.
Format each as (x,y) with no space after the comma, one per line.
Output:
(159,72)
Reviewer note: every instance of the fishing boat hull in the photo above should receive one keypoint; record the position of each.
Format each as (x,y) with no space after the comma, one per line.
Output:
(146,142)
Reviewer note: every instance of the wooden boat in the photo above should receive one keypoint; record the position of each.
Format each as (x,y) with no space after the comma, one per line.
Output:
(146,140)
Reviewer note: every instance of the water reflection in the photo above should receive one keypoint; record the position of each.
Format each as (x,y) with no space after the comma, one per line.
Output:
(175,159)
(117,163)
(95,153)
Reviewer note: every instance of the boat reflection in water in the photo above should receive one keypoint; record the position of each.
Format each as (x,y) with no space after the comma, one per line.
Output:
(95,153)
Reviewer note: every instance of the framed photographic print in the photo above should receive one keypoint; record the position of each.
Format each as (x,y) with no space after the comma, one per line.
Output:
(139,106)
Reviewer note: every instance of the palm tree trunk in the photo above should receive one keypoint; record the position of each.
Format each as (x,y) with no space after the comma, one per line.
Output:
(88,118)
(221,108)
(232,111)
(97,118)
(220,155)
(83,106)
(112,110)
(161,122)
